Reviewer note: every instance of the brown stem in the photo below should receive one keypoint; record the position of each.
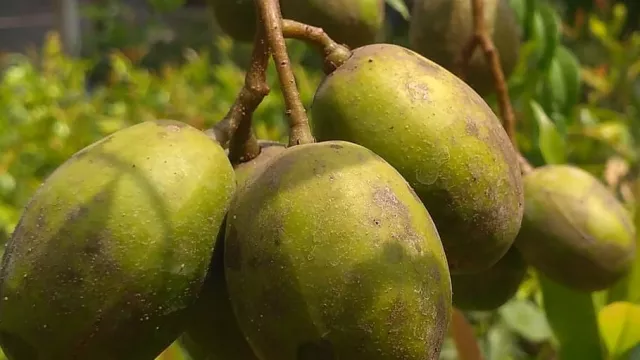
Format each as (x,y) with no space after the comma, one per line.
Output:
(464,337)
(243,145)
(482,38)
(334,54)
(299,132)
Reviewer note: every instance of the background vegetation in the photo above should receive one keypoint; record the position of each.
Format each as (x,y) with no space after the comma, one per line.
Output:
(586,113)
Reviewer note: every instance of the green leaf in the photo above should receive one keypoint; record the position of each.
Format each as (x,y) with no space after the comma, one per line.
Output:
(552,145)
(620,327)
(401,7)
(525,318)
(551,40)
(573,318)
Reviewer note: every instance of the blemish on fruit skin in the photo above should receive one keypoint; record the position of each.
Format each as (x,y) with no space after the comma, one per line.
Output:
(417,91)
(233,251)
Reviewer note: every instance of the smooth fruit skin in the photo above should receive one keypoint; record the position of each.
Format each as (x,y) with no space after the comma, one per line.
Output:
(113,248)
(214,329)
(492,288)
(440,135)
(440,29)
(330,255)
(574,230)
(351,22)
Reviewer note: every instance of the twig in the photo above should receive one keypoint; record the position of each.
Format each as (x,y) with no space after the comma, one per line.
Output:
(481,38)
(334,54)
(299,133)
(244,146)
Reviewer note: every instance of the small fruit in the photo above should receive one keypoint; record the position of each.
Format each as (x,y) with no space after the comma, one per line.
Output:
(440,29)
(214,329)
(440,135)
(112,250)
(574,230)
(489,289)
(329,254)
(352,22)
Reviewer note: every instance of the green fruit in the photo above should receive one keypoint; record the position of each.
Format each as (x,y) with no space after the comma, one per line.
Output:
(330,255)
(440,30)
(352,22)
(214,329)
(489,289)
(574,230)
(113,248)
(440,135)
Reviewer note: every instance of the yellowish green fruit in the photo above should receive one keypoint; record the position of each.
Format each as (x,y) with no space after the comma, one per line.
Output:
(440,29)
(440,135)
(214,329)
(329,254)
(574,230)
(352,22)
(488,290)
(112,250)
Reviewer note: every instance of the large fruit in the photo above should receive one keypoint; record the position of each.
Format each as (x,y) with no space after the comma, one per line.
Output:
(574,230)
(441,136)
(352,22)
(440,29)
(214,328)
(489,289)
(112,250)
(330,255)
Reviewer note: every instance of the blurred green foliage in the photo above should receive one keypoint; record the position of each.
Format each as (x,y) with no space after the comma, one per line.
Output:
(576,94)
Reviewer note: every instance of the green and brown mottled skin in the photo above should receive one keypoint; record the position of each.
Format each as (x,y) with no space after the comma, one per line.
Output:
(440,135)
(329,254)
(440,29)
(214,329)
(489,289)
(113,248)
(351,22)
(574,229)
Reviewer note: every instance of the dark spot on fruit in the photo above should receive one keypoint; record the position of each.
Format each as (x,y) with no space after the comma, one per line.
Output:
(233,251)
(471,128)
(320,350)
(17,348)
(393,252)
(336,146)
(376,222)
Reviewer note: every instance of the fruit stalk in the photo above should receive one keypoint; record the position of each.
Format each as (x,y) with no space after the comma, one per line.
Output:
(481,38)
(243,144)
(271,16)
(255,89)
(334,53)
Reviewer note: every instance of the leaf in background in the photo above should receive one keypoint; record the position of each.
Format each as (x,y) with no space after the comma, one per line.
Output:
(551,39)
(552,145)
(525,318)
(573,320)
(620,327)
(571,73)
(464,337)
(401,7)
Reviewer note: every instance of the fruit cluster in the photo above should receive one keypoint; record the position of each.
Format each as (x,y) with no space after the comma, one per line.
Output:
(356,246)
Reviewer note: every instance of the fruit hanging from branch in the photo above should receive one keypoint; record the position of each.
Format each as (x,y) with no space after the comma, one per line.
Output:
(440,135)
(112,250)
(351,22)
(440,30)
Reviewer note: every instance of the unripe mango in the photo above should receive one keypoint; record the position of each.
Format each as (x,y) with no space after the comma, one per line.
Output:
(112,250)
(441,29)
(440,135)
(351,22)
(574,230)
(329,254)
(214,329)
(490,289)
